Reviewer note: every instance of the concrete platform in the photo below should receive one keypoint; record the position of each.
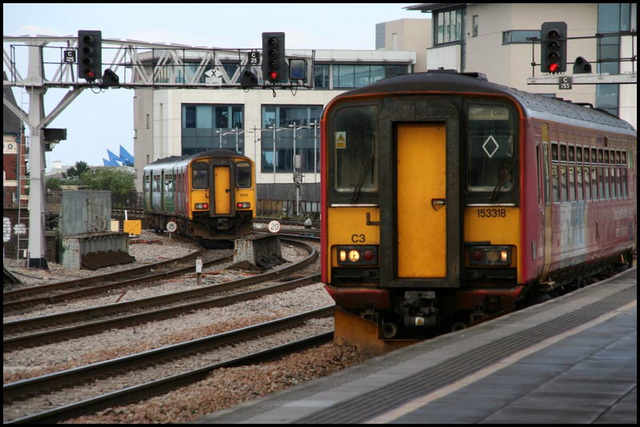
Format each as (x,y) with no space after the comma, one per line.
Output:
(570,360)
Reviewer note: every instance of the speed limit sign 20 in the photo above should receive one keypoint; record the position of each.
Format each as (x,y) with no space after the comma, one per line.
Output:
(274,226)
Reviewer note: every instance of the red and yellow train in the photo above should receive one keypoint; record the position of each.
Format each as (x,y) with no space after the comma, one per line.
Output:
(446,199)
(209,195)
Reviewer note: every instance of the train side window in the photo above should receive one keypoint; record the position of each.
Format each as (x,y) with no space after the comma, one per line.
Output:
(243,175)
(571,188)
(555,173)
(555,179)
(594,156)
(614,183)
(606,184)
(600,183)
(623,183)
(578,154)
(579,193)
(600,156)
(572,156)
(587,183)
(545,163)
(563,183)
(563,152)
(586,154)
(624,158)
(618,159)
(538,174)
(200,179)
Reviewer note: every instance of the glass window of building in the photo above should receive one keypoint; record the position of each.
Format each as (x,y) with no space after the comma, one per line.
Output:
(448,26)
(288,131)
(612,18)
(519,36)
(352,75)
(321,76)
(206,126)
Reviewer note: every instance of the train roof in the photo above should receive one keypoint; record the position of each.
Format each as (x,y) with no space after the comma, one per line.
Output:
(211,153)
(534,105)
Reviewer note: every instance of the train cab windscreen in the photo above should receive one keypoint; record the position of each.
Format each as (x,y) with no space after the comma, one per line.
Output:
(200,175)
(243,175)
(354,145)
(491,157)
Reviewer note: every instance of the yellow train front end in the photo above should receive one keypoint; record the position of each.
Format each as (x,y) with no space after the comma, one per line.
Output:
(421,210)
(221,202)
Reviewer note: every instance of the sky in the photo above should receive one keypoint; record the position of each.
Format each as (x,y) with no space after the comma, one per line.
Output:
(96,122)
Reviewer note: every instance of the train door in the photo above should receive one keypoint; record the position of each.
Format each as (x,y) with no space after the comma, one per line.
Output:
(162,191)
(222,190)
(421,200)
(545,219)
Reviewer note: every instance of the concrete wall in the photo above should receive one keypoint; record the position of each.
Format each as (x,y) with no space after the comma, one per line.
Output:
(85,212)
(410,34)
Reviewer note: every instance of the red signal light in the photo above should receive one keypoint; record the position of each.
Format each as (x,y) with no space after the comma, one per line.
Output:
(553,67)
(273,75)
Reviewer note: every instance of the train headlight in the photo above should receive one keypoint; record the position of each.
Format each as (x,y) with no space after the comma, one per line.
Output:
(490,255)
(243,205)
(357,255)
(202,206)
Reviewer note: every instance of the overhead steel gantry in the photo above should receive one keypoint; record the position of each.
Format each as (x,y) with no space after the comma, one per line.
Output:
(51,63)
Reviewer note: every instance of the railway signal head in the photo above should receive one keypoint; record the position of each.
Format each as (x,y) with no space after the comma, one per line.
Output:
(274,62)
(89,55)
(553,47)
(581,66)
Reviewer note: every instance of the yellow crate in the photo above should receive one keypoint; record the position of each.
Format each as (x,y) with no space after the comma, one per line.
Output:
(133,227)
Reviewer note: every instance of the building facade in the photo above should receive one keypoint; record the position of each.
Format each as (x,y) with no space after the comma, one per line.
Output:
(278,129)
(491,38)
(281,132)
(14,182)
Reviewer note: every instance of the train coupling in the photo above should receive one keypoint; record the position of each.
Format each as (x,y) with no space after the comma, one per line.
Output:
(420,308)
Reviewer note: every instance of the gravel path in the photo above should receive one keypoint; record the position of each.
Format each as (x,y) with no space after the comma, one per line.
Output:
(221,389)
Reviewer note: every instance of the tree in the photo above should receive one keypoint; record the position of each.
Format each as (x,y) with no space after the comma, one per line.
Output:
(77,170)
(54,183)
(119,181)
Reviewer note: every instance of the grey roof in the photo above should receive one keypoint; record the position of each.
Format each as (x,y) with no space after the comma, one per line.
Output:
(429,7)
(534,105)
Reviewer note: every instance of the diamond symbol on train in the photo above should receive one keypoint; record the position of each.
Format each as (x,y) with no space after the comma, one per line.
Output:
(490,146)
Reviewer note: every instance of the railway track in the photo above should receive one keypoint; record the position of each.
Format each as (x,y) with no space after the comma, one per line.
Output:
(24,298)
(49,399)
(56,327)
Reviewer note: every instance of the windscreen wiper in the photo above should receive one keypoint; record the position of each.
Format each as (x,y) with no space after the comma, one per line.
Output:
(356,191)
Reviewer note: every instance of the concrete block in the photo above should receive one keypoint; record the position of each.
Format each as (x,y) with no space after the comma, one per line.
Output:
(257,252)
